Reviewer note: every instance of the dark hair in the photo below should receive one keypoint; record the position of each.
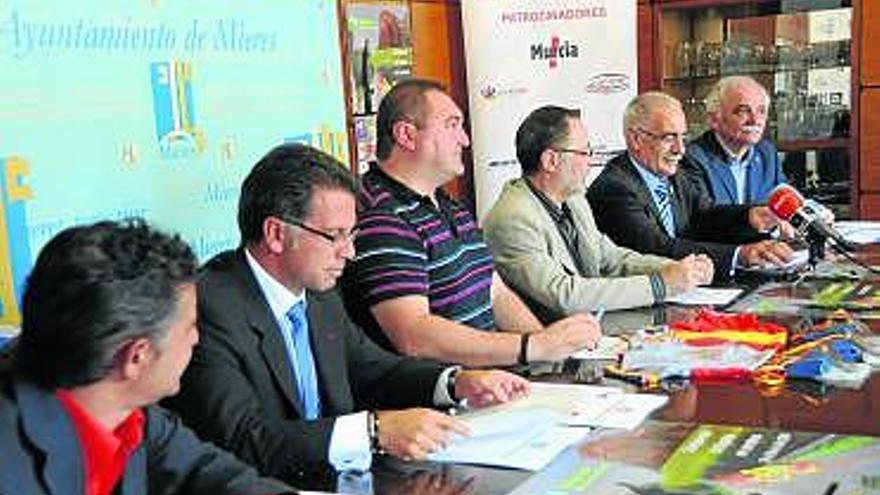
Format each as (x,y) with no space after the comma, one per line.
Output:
(405,101)
(282,184)
(544,128)
(92,289)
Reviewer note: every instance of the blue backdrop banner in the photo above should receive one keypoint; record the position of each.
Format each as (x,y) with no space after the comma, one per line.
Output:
(153,108)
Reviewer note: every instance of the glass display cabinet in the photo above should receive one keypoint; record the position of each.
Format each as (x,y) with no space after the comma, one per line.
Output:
(800,50)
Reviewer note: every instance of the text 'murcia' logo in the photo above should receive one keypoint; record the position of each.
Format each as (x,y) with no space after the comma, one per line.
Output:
(554,51)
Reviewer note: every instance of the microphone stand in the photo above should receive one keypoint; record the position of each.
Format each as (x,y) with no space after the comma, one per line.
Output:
(816,247)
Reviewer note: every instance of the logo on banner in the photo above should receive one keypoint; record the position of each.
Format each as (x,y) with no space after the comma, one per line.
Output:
(174,109)
(15,252)
(554,51)
(324,138)
(491,91)
(608,82)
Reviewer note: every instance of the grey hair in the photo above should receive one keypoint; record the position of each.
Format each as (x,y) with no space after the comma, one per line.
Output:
(639,109)
(716,94)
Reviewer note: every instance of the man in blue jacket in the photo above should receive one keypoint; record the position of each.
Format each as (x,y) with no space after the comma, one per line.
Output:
(109,324)
(733,161)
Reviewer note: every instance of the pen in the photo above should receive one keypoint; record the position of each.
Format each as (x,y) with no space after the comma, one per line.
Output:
(644,380)
(600,312)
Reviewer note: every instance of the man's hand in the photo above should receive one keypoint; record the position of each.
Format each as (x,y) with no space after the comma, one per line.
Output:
(486,387)
(412,434)
(687,273)
(786,231)
(765,253)
(762,219)
(563,338)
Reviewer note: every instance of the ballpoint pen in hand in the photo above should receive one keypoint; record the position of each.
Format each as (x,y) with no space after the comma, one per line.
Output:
(600,313)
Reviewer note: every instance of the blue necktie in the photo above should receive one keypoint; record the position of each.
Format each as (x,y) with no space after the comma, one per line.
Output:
(305,373)
(664,204)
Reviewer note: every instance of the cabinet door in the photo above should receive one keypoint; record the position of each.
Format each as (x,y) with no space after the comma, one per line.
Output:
(869,206)
(438,53)
(870,57)
(869,149)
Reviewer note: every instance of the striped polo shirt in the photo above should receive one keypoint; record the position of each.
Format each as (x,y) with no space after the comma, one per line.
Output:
(408,246)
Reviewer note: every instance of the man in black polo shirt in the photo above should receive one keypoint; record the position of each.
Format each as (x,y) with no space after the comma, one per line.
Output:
(423,281)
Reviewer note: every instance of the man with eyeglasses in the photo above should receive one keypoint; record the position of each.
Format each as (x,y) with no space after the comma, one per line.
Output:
(282,377)
(545,241)
(423,281)
(733,160)
(642,202)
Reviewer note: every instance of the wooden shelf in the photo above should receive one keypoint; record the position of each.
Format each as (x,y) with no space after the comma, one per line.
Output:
(813,144)
(755,73)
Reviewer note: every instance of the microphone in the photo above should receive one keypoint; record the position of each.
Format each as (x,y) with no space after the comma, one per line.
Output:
(808,217)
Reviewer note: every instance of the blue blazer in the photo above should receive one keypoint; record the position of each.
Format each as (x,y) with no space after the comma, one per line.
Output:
(707,167)
(41,454)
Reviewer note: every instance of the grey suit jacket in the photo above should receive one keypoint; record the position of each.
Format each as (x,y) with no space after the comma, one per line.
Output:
(532,257)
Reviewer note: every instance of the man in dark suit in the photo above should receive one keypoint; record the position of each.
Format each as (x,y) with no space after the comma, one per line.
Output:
(109,323)
(281,370)
(641,202)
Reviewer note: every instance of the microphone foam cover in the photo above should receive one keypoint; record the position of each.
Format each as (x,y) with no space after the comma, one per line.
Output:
(784,201)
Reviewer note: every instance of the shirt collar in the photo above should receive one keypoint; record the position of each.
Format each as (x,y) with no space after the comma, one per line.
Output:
(279,297)
(100,445)
(403,192)
(651,179)
(556,212)
(731,156)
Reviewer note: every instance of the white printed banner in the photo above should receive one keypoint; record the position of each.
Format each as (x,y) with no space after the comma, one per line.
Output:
(522,54)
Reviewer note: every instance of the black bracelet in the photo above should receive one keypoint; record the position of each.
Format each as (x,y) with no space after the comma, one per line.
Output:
(523,349)
(450,385)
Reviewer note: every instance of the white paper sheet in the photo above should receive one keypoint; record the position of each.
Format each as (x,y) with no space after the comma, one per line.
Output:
(859,232)
(521,438)
(528,433)
(595,406)
(701,296)
(625,411)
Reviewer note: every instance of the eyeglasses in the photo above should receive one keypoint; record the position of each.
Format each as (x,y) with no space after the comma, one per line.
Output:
(587,152)
(337,237)
(666,138)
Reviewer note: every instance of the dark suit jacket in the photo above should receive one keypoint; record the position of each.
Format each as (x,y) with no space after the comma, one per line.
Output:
(239,390)
(41,454)
(707,165)
(624,209)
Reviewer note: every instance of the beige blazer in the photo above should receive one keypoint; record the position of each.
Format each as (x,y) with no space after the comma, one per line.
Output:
(531,256)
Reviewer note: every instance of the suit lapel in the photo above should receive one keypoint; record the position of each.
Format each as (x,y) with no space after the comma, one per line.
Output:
(728,182)
(134,481)
(722,171)
(557,244)
(644,194)
(753,176)
(47,425)
(679,205)
(325,329)
(272,347)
